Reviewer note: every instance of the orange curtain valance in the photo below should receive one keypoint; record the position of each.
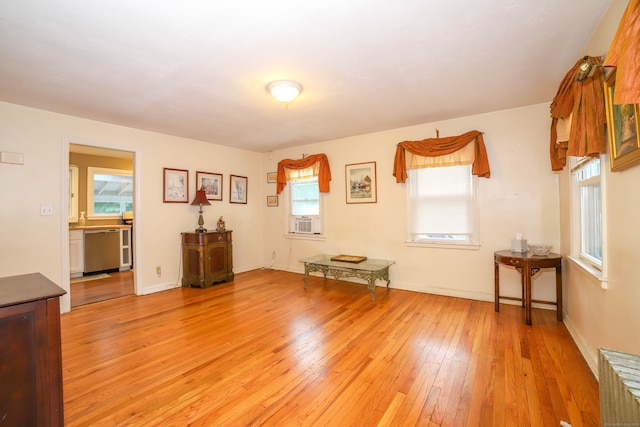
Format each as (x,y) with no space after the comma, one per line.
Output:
(584,103)
(624,54)
(440,146)
(324,172)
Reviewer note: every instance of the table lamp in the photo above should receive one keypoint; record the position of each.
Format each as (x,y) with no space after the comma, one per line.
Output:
(201,199)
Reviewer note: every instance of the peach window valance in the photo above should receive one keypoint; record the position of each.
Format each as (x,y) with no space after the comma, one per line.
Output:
(580,107)
(308,167)
(467,148)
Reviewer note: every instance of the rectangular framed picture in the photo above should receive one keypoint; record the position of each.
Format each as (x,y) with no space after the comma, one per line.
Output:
(360,179)
(622,129)
(238,189)
(272,177)
(211,183)
(176,186)
(272,201)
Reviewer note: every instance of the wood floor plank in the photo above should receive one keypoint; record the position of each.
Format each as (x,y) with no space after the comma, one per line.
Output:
(263,350)
(88,290)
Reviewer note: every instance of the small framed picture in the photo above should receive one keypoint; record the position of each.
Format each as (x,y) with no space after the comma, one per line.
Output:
(272,201)
(176,186)
(238,189)
(211,183)
(272,177)
(360,181)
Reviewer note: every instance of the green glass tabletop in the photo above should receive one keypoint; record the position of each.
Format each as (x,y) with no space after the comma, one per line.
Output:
(366,265)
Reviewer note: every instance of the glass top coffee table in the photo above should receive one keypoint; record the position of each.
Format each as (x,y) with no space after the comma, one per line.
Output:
(369,270)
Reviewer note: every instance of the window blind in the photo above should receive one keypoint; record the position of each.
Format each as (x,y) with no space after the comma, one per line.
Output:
(441,201)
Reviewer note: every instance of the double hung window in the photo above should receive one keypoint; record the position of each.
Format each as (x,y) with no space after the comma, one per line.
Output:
(587,241)
(305,197)
(304,207)
(442,205)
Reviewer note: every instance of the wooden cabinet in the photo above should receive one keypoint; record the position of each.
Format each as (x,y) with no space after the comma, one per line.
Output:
(30,353)
(207,258)
(126,254)
(76,253)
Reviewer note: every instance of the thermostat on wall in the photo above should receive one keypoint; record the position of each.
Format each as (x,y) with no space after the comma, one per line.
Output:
(12,158)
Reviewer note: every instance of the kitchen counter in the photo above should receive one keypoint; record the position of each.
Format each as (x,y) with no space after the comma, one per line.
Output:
(98,227)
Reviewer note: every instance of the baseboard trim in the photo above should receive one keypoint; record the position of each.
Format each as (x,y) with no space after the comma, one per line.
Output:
(589,356)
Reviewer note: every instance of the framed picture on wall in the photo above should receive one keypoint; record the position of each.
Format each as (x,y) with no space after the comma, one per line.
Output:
(360,179)
(211,183)
(176,186)
(272,201)
(272,177)
(238,189)
(622,129)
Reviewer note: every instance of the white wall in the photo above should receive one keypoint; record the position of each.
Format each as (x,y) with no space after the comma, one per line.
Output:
(34,243)
(597,317)
(521,196)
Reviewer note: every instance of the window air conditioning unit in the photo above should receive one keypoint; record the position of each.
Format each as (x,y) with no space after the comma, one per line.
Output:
(305,225)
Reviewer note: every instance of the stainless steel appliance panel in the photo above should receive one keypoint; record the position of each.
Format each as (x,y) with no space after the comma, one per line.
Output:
(101,250)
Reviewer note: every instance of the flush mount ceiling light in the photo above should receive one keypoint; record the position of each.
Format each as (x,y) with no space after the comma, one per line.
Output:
(284,91)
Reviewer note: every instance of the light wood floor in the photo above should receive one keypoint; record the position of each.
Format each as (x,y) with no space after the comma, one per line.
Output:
(262,350)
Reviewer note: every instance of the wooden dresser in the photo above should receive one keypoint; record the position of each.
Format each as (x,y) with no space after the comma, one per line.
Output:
(207,258)
(30,353)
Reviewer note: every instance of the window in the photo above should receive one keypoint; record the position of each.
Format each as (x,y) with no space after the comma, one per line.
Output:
(442,205)
(587,239)
(73,193)
(304,212)
(305,197)
(109,192)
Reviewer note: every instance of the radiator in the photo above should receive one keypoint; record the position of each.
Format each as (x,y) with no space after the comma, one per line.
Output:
(619,378)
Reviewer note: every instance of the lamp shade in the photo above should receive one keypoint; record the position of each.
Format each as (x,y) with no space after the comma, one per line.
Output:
(284,91)
(201,198)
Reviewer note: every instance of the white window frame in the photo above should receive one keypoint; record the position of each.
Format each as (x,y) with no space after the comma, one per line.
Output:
(597,269)
(289,213)
(73,193)
(91,171)
(472,243)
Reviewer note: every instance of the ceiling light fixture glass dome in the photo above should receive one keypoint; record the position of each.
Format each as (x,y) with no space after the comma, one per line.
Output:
(284,91)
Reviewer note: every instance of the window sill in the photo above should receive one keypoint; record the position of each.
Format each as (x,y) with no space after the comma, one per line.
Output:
(297,236)
(590,271)
(103,217)
(459,246)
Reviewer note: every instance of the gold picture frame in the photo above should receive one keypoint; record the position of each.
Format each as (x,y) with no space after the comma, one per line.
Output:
(361,185)
(272,201)
(622,129)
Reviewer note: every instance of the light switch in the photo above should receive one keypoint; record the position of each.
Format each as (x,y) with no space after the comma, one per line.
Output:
(46,210)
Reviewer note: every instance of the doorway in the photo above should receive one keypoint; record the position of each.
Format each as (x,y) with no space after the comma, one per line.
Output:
(101,287)
(101,193)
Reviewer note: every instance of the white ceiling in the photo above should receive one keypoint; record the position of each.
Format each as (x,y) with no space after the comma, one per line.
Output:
(198,68)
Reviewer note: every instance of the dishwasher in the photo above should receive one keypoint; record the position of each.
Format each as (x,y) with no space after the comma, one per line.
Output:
(101,250)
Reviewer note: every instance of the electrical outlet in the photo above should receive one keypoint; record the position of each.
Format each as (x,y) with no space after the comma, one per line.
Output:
(159,271)
(46,210)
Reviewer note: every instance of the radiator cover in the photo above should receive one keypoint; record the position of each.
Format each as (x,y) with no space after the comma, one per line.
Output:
(619,377)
